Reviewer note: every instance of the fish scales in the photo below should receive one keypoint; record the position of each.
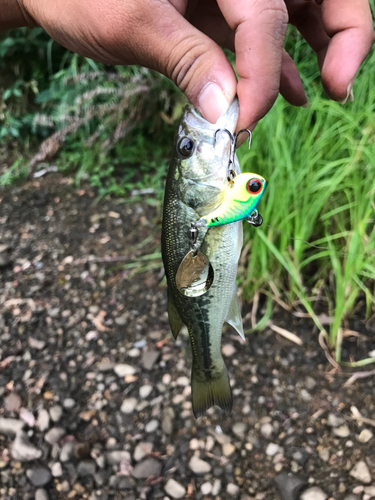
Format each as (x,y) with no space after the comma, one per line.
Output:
(195,187)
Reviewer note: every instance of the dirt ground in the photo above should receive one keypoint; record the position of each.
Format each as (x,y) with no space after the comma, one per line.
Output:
(95,393)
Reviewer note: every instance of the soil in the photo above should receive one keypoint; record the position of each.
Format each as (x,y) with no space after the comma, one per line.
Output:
(85,345)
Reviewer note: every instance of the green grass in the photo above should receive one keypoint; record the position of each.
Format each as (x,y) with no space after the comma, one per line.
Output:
(320,167)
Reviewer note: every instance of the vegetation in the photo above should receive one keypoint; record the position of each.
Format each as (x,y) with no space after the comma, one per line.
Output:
(114,126)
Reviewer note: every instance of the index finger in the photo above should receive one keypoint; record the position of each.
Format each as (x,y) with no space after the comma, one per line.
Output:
(259,30)
(349,24)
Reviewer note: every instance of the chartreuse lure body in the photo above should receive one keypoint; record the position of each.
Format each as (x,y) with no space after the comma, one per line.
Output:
(241,198)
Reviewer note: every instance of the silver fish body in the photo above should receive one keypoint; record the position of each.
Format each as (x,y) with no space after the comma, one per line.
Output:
(195,186)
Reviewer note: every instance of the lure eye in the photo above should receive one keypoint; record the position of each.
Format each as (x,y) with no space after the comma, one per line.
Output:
(254,186)
(185,147)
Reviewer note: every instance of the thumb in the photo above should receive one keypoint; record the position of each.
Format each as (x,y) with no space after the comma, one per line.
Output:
(195,63)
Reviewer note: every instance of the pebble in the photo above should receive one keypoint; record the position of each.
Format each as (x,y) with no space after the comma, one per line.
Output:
(69,403)
(301,456)
(55,413)
(266,430)
(111,443)
(121,320)
(341,431)
(42,422)
(365,436)
(151,426)
(142,450)
(174,489)
(56,469)
(314,493)
(147,468)
(305,395)
(86,468)
(128,405)
(54,435)
(149,359)
(117,456)
(206,488)
(358,490)
(289,485)
(67,451)
(41,494)
(228,350)
(36,344)
(369,490)
(134,353)
(167,419)
(122,370)
(23,450)
(38,475)
(145,391)
(183,381)
(10,426)
(272,449)
(12,402)
(324,454)
(216,487)
(239,429)
(232,490)
(105,366)
(140,344)
(27,417)
(335,420)
(310,383)
(199,466)
(361,472)
(228,449)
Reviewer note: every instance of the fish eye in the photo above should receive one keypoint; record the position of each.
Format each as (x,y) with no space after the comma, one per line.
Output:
(254,186)
(185,147)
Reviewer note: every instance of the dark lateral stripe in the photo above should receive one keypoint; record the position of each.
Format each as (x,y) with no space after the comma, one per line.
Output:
(205,339)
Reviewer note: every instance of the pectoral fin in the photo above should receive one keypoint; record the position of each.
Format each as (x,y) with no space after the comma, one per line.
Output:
(234,315)
(175,321)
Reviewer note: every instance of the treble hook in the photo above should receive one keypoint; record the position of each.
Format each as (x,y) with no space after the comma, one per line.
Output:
(233,145)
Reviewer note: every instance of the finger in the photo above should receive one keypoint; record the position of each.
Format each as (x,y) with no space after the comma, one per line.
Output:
(307,17)
(341,34)
(195,63)
(291,87)
(260,27)
(349,24)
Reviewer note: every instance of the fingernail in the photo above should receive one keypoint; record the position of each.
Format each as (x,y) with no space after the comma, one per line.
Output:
(307,104)
(212,102)
(349,94)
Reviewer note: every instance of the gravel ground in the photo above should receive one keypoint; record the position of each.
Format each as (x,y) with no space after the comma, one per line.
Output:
(95,394)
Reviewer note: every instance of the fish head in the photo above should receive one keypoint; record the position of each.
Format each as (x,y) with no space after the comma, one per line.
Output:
(201,159)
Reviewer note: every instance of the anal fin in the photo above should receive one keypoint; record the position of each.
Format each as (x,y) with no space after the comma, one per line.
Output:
(175,321)
(234,315)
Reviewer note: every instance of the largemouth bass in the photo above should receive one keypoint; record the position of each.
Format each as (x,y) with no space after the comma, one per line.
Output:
(195,187)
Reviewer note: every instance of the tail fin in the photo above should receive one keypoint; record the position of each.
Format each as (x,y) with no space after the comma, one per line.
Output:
(207,392)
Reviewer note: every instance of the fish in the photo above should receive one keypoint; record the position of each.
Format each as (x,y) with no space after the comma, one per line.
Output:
(196,189)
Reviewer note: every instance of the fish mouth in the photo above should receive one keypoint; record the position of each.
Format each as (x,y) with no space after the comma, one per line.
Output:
(228,120)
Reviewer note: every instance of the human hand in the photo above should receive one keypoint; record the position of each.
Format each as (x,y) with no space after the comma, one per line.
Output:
(182,38)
